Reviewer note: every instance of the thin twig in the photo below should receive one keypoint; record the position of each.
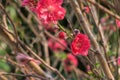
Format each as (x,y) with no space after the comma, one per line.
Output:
(105,9)
(15,30)
(42,61)
(99,27)
(54,38)
(25,75)
(85,26)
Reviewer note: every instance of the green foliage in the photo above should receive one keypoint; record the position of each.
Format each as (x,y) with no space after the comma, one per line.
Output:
(12,12)
(4,66)
(61,55)
(2,52)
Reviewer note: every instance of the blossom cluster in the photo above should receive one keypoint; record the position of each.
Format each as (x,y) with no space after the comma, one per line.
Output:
(48,11)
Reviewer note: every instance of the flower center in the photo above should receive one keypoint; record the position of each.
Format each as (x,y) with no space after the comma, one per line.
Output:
(50,8)
(78,45)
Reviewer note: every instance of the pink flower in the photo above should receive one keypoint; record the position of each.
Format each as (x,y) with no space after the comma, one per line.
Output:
(80,45)
(51,27)
(118,61)
(55,46)
(50,11)
(118,23)
(62,35)
(103,20)
(105,28)
(87,9)
(88,68)
(70,61)
(24,59)
(30,3)
(112,27)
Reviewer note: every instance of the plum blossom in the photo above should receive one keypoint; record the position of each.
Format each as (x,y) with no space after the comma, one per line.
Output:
(80,45)
(24,59)
(62,35)
(118,23)
(50,11)
(30,3)
(87,9)
(118,61)
(70,61)
(55,46)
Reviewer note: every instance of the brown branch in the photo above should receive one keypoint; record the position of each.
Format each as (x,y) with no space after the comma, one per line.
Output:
(54,38)
(15,30)
(104,9)
(28,21)
(99,27)
(2,77)
(24,75)
(82,74)
(42,61)
(85,26)
(5,36)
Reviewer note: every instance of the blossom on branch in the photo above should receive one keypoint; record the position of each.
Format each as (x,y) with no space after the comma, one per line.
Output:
(50,11)
(118,23)
(24,59)
(80,45)
(55,46)
(70,62)
(86,9)
(118,61)
(30,3)
(62,35)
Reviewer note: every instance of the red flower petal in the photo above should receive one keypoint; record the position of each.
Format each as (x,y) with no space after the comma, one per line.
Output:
(62,35)
(50,11)
(118,61)
(55,46)
(30,3)
(118,23)
(70,61)
(80,45)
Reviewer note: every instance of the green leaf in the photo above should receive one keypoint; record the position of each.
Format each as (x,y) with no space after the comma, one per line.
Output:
(2,52)
(4,66)
(12,12)
(97,65)
(61,55)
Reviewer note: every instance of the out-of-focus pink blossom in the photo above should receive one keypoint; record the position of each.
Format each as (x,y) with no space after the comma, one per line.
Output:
(118,23)
(62,35)
(30,3)
(109,28)
(118,61)
(88,68)
(105,28)
(112,27)
(50,11)
(55,46)
(70,61)
(104,19)
(87,9)
(51,27)
(24,59)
